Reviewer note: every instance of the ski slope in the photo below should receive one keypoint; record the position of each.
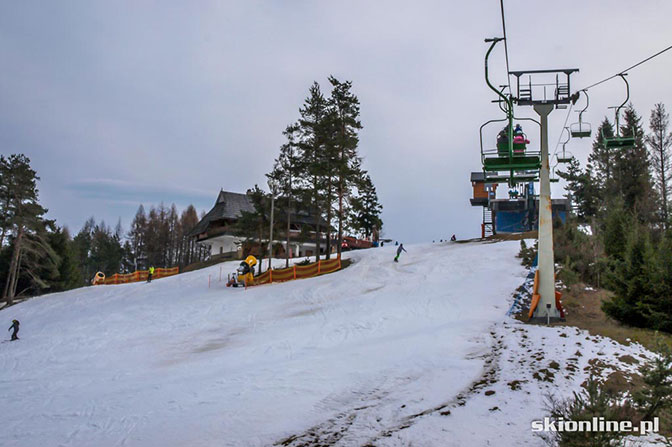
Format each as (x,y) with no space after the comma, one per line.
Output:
(175,363)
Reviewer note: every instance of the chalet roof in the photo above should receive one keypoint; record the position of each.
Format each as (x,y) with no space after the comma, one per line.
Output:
(227,206)
(478,176)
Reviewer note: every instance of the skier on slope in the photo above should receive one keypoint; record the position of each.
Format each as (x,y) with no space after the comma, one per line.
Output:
(150,273)
(399,250)
(15,326)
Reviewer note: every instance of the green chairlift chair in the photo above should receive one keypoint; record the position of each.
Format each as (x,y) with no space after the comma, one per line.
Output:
(566,156)
(581,129)
(618,141)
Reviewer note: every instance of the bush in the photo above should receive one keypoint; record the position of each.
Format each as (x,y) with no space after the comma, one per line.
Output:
(592,402)
(527,255)
(576,252)
(655,396)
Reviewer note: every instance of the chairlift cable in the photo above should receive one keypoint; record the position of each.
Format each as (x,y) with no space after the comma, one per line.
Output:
(628,69)
(506,46)
(569,110)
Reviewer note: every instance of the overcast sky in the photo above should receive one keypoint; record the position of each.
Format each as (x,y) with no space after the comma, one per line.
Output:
(126,102)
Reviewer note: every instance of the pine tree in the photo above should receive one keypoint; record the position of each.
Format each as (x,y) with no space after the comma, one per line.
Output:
(615,233)
(366,209)
(188,220)
(316,188)
(344,138)
(6,194)
(253,225)
(633,282)
(601,165)
(136,236)
(24,219)
(69,275)
(284,174)
(660,144)
(582,190)
(634,171)
(82,248)
(656,394)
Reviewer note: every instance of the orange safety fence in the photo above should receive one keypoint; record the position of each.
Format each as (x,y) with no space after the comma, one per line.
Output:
(140,275)
(298,272)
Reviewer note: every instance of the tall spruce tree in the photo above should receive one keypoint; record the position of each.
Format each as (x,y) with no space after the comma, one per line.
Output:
(344,137)
(316,159)
(253,225)
(366,208)
(601,167)
(284,174)
(137,235)
(633,282)
(582,190)
(659,142)
(69,275)
(633,171)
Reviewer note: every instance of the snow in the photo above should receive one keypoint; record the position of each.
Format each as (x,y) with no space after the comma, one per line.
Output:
(379,353)
(585,228)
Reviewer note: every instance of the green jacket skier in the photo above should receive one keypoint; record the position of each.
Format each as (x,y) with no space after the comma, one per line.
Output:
(399,250)
(150,273)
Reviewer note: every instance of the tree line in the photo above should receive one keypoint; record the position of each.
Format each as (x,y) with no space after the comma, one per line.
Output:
(319,171)
(38,256)
(622,195)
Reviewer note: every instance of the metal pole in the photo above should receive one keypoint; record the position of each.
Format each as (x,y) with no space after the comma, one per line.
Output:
(546,309)
(270,239)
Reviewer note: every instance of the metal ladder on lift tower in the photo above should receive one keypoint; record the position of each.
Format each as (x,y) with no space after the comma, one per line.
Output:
(487,227)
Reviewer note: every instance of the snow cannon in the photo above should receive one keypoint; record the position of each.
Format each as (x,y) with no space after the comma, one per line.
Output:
(244,274)
(99,278)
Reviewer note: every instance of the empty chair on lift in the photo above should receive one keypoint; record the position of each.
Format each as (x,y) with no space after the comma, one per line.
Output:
(566,156)
(581,129)
(617,140)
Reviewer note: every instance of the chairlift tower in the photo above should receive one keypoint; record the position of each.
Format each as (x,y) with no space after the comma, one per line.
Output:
(544,97)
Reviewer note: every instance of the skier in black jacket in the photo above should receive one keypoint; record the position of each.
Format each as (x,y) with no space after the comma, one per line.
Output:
(15,326)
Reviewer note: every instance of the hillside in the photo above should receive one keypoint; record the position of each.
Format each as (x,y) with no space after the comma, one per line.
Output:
(379,353)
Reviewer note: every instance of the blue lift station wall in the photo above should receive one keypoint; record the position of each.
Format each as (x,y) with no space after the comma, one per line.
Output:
(515,221)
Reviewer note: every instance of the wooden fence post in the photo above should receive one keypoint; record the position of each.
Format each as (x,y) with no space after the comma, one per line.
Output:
(318,266)
(294,267)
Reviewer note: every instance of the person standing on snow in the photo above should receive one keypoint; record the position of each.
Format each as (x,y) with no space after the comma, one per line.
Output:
(399,250)
(15,326)
(150,273)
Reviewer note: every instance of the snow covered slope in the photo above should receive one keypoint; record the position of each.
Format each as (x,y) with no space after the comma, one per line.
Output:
(173,363)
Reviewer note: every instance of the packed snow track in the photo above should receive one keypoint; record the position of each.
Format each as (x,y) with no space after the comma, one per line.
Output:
(348,358)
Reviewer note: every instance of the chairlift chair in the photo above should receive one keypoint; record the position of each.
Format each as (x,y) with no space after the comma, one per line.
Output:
(618,141)
(566,156)
(581,129)
(510,156)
